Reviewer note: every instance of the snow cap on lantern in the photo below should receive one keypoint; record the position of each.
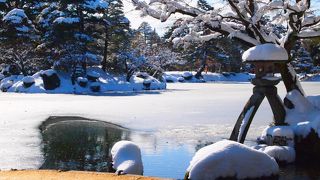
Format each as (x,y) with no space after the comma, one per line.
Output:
(264,56)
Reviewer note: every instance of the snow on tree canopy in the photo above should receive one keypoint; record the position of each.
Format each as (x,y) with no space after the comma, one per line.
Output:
(231,159)
(66,20)
(265,52)
(15,16)
(96,4)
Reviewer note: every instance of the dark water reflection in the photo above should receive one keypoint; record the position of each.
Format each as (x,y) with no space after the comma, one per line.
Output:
(72,143)
(79,144)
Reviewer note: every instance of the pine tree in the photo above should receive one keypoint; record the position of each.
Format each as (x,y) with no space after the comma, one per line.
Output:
(203,4)
(17,36)
(117,35)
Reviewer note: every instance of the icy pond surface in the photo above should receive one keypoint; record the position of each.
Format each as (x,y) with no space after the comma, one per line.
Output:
(169,126)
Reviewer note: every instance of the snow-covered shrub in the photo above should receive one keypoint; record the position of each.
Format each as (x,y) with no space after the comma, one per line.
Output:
(229,159)
(143,75)
(147,83)
(278,135)
(50,79)
(6,85)
(93,76)
(126,158)
(187,75)
(95,87)
(283,154)
(181,79)
(82,81)
(28,81)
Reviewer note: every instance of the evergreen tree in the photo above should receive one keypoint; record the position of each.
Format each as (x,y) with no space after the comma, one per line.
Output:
(17,35)
(116,36)
(203,4)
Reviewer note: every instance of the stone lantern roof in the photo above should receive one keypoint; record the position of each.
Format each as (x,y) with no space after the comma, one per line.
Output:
(265,53)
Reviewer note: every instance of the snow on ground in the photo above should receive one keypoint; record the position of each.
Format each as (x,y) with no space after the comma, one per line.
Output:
(185,114)
(177,76)
(231,159)
(106,81)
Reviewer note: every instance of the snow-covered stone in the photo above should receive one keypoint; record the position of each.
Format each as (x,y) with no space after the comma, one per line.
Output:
(231,159)
(284,154)
(126,157)
(28,81)
(280,135)
(265,52)
(6,85)
(187,75)
(48,72)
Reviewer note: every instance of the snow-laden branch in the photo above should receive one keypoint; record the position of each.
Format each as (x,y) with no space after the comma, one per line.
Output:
(251,21)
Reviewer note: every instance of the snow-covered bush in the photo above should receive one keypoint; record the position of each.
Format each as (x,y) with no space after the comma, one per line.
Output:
(187,75)
(93,76)
(28,81)
(82,81)
(95,87)
(6,85)
(229,159)
(126,158)
(283,154)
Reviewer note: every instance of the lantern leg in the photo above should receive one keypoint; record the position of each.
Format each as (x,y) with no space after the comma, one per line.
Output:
(276,104)
(244,120)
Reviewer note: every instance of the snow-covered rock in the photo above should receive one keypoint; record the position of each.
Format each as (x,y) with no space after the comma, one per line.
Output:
(126,158)
(279,135)
(187,75)
(284,154)
(95,87)
(6,85)
(231,159)
(177,76)
(82,81)
(265,52)
(28,81)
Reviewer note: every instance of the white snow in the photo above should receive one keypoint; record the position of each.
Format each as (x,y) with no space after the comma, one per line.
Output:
(184,115)
(48,72)
(93,74)
(126,158)
(173,76)
(245,122)
(96,4)
(231,159)
(15,16)
(265,52)
(107,82)
(66,20)
(281,153)
(28,79)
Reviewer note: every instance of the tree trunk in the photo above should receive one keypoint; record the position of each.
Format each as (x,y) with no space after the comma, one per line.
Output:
(202,67)
(289,78)
(105,53)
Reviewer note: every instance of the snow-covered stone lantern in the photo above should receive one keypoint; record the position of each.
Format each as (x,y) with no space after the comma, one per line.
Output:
(264,58)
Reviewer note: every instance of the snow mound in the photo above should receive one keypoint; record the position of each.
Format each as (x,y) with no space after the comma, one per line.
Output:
(126,157)
(107,83)
(265,52)
(305,115)
(281,153)
(178,76)
(28,79)
(231,159)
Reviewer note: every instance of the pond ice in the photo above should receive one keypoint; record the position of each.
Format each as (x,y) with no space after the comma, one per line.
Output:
(185,114)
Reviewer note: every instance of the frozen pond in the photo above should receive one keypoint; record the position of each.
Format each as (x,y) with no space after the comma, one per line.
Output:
(168,125)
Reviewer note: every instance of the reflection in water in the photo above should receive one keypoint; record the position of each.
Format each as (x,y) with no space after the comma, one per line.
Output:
(73,143)
(79,144)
